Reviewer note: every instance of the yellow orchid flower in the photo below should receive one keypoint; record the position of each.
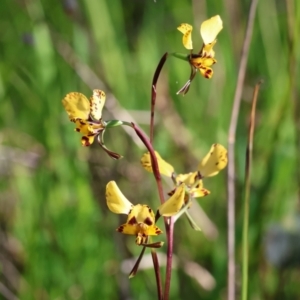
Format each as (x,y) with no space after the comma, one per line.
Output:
(202,61)
(213,162)
(141,219)
(86,114)
(191,180)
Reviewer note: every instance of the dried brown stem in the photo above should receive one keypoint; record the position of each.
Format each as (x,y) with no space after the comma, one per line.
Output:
(231,153)
(169,234)
(247,193)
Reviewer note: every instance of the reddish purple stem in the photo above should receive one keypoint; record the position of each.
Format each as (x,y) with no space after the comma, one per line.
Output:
(169,233)
(153,93)
(154,163)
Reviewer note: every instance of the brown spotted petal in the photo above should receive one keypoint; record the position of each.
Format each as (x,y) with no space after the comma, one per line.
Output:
(89,130)
(141,223)
(203,64)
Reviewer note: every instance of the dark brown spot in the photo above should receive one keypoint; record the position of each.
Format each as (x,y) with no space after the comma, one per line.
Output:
(217,163)
(132,221)
(205,192)
(172,192)
(186,198)
(148,221)
(208,73)
(85,141)
(120,229)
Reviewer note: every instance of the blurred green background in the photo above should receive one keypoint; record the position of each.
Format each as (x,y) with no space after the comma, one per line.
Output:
(57,237)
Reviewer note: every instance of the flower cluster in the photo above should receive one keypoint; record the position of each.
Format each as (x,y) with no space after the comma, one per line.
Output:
(213,162)
(141,219)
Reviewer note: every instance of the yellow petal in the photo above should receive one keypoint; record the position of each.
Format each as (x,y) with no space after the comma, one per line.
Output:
(128,229)
(97,102)
(188,179)
(173,205)
(77,106)
(202,62)
(203,65)
(214,161)
(89,130)
(141,223)
(83,127)
(87,140)
(210,28)
(88,127)
(186,29)
(116,201)
(142,214)
(154,230)
(207,50)
(139,229)
(163,166)
(206,72)
(199,191)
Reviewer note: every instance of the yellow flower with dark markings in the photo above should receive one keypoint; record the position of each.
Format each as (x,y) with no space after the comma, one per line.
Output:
(87,116)
(140,217)
(213,162)
(204,60)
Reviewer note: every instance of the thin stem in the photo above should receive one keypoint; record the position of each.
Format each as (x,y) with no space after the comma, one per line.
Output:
(169,234)
(247,194)
(137,263)
(231,154)
(115,123)
(154,163)
(153,93)
(157,176)
(157,274)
